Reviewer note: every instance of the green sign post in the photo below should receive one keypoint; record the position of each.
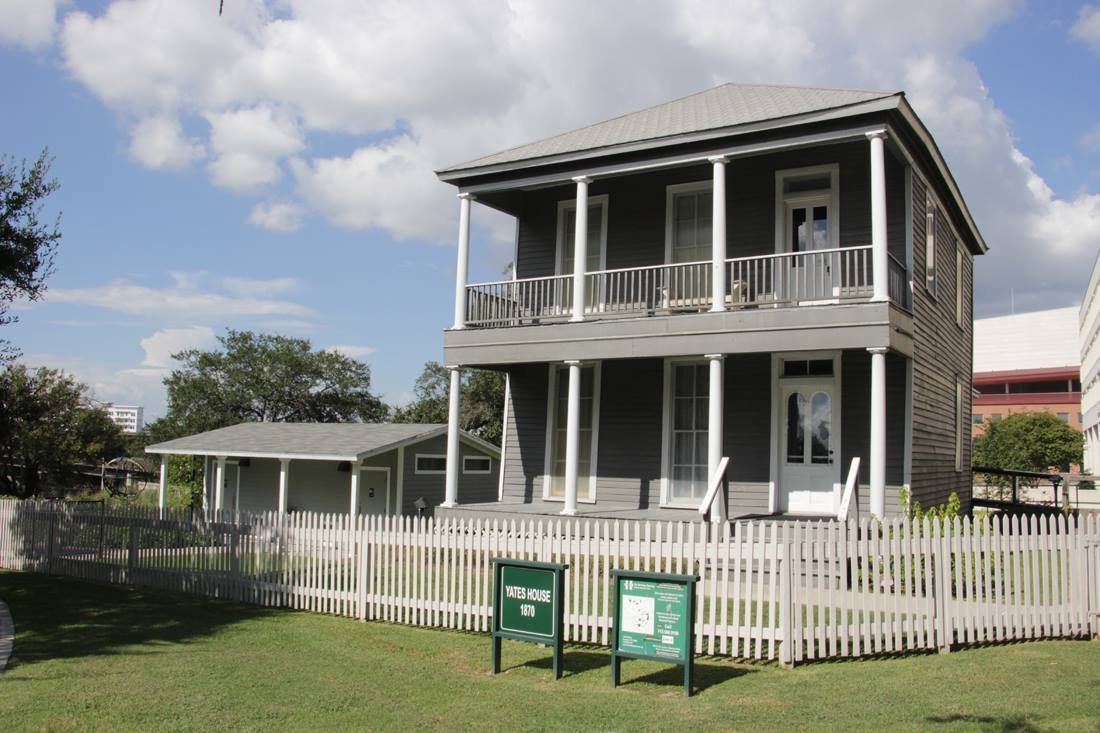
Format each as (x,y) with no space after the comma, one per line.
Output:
(654,615)
(527,605)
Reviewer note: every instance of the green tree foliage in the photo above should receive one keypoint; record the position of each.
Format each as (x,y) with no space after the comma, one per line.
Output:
(1028,442)
(264,378)
(47,426)
(481,406)
(27,245)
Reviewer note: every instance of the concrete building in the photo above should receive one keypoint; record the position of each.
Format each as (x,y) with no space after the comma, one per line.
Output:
(1089,344)
(1027,362)
(778,276)
(131,418)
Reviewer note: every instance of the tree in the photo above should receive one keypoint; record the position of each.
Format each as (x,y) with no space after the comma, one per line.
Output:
(1028,442)
(481,405)
(48,426)
(27,245)
(264,378)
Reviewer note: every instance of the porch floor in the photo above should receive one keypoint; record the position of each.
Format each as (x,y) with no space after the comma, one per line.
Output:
(517,511)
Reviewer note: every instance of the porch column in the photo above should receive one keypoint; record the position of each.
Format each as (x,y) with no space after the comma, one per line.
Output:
(572,438)
(284,481)
(718,235)
(219,483)
(206,486)
(580,248)
(162,492)
(354,509)
(715,405)
(462,270)
(879,253)
(451,497)
(877,463)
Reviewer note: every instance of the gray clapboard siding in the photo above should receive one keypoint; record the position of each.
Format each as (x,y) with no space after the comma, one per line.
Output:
(473,488)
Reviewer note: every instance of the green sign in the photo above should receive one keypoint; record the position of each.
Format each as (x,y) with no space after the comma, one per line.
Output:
(654,620)
(527,605)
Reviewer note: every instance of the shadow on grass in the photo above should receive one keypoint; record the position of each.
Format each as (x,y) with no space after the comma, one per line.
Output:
(993,724)
(577,662)
(59,618)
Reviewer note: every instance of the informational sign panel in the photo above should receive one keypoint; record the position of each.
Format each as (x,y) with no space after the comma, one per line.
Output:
(654,614)
(527,605)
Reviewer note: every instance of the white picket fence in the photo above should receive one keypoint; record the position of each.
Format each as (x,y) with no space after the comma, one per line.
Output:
(831,589)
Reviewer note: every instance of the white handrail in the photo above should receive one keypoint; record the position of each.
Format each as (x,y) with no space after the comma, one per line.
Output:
(712,492)
(849,492)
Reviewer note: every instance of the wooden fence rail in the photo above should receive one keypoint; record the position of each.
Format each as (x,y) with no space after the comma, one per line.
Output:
(769,590)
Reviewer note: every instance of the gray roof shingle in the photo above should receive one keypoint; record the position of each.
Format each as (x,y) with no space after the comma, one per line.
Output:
(334,441)
(723,106)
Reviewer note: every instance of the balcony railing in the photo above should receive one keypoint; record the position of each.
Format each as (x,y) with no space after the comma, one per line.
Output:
(778,280)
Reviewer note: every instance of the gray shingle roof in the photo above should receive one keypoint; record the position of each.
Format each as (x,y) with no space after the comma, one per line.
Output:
(724,106)
(333,441)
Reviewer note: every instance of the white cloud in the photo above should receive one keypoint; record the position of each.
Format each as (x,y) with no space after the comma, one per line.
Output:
(248,144)
(1087,27)
(277,216)
(352,352)
(1091,139)
(160,347)
(29,23)
(244,287)
(158,142)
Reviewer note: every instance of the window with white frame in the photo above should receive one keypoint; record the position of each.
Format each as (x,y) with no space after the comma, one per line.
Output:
(959,276)
(477,464)
(558,405)
(429,463)
(686,406)
(689,212)
(930,280)
(807,204)
(567,234)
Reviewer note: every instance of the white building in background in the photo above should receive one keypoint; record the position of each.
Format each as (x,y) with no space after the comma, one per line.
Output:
(130,418)
(1090,370)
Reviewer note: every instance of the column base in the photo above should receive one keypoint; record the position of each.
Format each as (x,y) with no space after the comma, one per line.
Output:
(880,299)
(718,309)
(448,505)
(567,513)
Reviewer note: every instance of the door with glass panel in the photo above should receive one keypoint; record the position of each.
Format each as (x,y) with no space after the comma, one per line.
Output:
(809,471)
(688,286)
(814,275)
(559,406)
(687,460)
(567,236)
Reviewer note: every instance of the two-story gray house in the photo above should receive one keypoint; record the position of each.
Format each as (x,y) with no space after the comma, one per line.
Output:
(780,276)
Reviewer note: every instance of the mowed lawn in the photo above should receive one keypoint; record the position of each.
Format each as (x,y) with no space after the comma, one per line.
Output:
(98,657)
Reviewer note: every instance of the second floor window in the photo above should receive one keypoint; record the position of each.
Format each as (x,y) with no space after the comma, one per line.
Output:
(567,234)
(691,211)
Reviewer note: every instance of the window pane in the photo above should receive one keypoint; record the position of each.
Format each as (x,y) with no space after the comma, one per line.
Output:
(820,425)
(819,367)
(798,230)
(796,409)
(794,368)
(821,227)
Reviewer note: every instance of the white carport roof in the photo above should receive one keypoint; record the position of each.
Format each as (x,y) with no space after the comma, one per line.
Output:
(310,441)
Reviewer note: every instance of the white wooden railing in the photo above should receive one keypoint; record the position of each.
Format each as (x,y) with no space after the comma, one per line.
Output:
(776,280)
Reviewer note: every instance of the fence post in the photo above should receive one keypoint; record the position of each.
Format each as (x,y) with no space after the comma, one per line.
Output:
(941,585)
(786,622)
(131,555)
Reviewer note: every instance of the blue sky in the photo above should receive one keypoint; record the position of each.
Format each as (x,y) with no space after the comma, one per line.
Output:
(272,169)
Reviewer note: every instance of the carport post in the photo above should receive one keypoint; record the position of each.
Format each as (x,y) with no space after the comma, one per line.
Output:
(284,477)
(162,494)
(354,509)
(219,481)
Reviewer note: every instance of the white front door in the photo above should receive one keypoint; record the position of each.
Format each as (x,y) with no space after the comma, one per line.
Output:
(809,466)
(812,276)
(374,491)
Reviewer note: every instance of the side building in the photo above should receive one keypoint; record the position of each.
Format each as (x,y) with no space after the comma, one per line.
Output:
(1089,344)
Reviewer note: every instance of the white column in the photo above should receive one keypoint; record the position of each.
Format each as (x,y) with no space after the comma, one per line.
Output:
(715,405)
(580,248)
(877,463)
(453,460)
(879,252)
(219,482)
(462,270)
(718,239)
(162,493)
(284,483)
(354,508)
(572,438)
(206,486)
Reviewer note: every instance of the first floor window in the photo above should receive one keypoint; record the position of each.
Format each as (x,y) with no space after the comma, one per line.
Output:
(559,406)
(690,398)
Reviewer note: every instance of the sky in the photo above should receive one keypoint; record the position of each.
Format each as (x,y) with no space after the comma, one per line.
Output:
(271,168)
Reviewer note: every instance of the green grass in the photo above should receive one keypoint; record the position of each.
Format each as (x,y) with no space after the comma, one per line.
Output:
(99,657)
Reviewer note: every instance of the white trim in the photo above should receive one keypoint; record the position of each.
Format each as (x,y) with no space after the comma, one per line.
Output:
(504,432)
(775,501)
(671,191)
(419,472)
(400,489)
(782,199)
(551,408)
(564,205)
(959,264)
(386,469)
(666,428)
(475,456)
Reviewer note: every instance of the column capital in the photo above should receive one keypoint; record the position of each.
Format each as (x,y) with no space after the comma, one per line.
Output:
(581,179)
(453,368)
(573,362)
(873,134)
(877,349)
(221,459)
(466,196)
(718,159)
(712,357)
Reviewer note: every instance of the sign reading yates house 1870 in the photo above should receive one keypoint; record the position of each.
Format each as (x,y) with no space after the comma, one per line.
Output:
(527,605)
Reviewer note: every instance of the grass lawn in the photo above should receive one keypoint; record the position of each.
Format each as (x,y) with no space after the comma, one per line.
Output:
(90,656)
